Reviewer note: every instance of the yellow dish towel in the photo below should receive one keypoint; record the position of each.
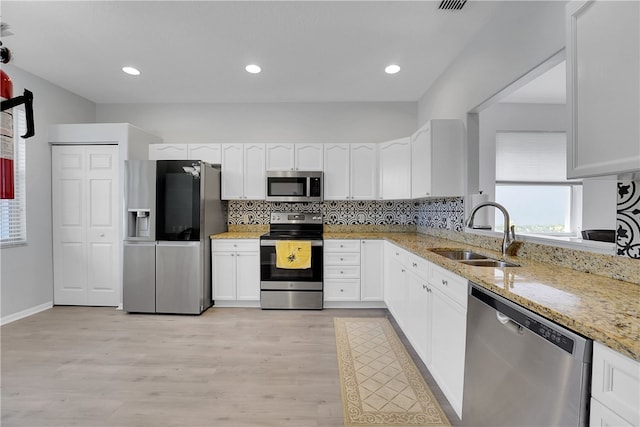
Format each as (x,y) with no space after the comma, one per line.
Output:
(293,254)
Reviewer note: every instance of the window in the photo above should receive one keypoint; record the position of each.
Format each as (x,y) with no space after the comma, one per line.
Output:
(13,218)
(531,183)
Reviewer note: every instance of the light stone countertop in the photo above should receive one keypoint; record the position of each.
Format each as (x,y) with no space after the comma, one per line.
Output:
(600,308)
(603,309)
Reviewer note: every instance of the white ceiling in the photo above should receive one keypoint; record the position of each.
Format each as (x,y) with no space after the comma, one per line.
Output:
(196,51)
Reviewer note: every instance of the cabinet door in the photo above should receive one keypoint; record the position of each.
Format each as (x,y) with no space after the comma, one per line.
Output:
(396,290)
(418,312)
(448,340)
(254,173)
(336,172)
(603,88)
(364,171)
(168,152)
(601,416)
(248,276)
(232,171)
(223,273)
(279,157)
(308,157)
(616,382)
(210,153)
(372,270)
(421,162)
(395,169)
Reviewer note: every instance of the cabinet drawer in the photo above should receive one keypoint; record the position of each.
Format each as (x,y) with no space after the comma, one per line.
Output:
(342,290)
(342,271)
(616,382)
(453,286)
(417,264)
(233,245)
(342,246)
(347,258)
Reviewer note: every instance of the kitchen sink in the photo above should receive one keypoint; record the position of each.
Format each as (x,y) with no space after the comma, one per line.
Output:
(473,258)
(460,255)
(489,262)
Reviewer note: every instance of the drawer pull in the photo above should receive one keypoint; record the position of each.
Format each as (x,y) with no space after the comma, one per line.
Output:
(341,259)
(341,290)
(341,272)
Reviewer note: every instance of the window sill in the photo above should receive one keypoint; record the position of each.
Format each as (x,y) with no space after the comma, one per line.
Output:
(575,243)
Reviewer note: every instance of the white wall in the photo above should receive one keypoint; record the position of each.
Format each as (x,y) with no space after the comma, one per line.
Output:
(268,122)
(27,271)
(503,52)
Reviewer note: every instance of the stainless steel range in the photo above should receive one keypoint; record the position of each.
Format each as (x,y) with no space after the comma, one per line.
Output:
(292,288)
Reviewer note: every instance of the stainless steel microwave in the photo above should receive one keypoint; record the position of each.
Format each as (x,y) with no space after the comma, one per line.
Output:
(294,186)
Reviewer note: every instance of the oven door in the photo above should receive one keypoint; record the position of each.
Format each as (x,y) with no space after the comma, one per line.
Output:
(273,278)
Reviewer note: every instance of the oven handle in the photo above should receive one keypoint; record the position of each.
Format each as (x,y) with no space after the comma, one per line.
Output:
(273,242)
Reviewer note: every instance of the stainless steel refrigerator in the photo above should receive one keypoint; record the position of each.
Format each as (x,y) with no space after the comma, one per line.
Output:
(171,209)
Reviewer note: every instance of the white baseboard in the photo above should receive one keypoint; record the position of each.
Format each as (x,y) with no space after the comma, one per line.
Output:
(25,313)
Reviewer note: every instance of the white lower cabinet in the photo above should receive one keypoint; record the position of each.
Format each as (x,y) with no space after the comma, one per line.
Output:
(342,270)
(353,271)
(430,306)
(448,340)
(235,270)
(371,270)
(615,389)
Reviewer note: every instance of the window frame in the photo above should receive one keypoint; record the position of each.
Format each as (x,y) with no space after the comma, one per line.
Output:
(14,210)
(575,187)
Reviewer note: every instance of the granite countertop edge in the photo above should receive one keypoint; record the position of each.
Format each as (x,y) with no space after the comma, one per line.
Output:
(603,309)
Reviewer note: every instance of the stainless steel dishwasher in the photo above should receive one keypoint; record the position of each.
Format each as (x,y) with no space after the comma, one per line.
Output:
(522,369)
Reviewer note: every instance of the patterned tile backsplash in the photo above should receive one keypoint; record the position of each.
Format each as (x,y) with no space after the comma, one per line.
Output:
(628,219)
(435,213)
(443,214)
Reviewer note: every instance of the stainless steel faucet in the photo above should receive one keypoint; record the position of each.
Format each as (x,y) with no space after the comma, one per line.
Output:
(509,243)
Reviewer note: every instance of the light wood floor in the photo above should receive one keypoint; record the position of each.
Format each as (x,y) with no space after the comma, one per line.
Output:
(87,366)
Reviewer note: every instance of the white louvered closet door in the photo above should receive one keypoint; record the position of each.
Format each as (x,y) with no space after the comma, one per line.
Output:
(85,225)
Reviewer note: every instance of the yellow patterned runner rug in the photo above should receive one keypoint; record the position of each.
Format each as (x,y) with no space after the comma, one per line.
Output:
(381,386)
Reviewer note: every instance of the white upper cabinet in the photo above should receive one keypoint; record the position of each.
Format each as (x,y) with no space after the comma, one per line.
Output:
(350,171)
(309,157)
(603,89)
(243,171)
(395,169)
(168,151)
(280,157)
(363,163)
(285,157)
(437,159)
(210,153)
(336,172)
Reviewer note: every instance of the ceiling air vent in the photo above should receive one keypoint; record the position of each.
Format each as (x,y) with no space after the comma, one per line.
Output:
(451,4)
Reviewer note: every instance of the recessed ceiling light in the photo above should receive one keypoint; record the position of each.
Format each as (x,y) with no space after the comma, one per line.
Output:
(253,69)
(392,69)
(131,71)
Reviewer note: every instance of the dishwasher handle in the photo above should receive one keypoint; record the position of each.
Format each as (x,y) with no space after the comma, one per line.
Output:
(510,313)
(509,323)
